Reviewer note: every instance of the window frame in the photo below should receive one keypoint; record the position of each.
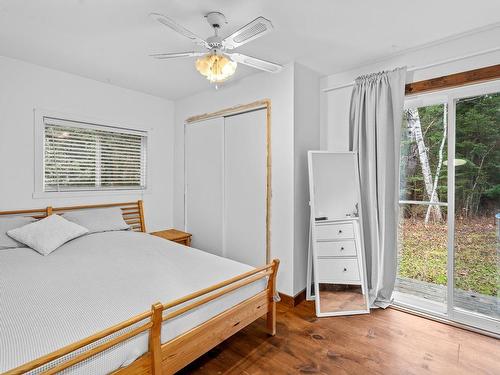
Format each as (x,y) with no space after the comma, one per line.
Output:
(39,149)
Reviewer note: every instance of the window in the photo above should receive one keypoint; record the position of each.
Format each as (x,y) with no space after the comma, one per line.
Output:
(80,156)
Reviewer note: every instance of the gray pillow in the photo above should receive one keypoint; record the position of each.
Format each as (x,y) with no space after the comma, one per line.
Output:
(8,223)
(98,220)
(47,234)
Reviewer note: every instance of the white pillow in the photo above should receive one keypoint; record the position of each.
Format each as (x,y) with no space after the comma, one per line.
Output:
(8,223)
(47,234)
(98,220)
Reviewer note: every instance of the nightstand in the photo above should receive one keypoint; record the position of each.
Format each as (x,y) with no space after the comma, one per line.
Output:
(174,235)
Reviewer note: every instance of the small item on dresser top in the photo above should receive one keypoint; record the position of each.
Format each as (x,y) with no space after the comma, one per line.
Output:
(174,235)
(321,218)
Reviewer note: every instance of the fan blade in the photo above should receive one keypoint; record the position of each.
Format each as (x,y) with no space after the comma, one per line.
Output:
(178,28)
(255,63)
(255,29)
(162,56)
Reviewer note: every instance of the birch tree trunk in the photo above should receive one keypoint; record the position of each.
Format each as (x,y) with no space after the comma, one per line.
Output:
(472,205)
(416,130)
(434,195)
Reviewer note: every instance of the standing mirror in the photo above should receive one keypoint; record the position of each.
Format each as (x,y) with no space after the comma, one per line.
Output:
(336,267)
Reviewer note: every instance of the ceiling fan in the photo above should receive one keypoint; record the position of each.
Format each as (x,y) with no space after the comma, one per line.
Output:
(218,64)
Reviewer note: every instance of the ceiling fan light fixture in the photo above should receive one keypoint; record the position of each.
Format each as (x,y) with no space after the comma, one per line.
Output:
(215,67)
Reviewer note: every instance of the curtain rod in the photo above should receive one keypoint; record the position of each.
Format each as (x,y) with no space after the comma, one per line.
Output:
(333,88)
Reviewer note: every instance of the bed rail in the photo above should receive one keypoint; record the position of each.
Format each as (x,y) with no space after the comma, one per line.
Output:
(133,212)
(173,355)
(39,362)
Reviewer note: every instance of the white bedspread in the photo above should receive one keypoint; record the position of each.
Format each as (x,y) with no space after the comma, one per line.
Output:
(99,280)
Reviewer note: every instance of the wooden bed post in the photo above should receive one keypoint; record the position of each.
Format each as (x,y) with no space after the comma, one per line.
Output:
(49,211)
(271,315)
(140,205)
(155,338)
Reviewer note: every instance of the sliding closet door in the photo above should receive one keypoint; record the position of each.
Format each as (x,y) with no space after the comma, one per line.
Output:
(245,188)
(204,158)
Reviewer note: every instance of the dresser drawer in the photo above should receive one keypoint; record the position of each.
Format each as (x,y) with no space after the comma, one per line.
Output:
(334,231)
(346,248)
(337,270)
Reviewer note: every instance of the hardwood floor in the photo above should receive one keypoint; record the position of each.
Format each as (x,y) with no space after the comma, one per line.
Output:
(384,342)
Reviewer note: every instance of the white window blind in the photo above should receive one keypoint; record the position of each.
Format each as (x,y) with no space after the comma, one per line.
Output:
(81,156)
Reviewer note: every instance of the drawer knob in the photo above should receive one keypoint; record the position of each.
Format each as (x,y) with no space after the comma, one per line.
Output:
(345,269)
(340,231)
(341,248)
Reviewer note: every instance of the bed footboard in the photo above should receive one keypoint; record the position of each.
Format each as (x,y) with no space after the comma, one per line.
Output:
(173,355)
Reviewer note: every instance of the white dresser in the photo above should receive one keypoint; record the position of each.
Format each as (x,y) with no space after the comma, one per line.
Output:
(336,258)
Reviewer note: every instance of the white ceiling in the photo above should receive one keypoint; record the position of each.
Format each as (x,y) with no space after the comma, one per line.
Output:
(109,40)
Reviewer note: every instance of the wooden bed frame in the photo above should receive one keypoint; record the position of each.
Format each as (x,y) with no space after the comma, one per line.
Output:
(169,357)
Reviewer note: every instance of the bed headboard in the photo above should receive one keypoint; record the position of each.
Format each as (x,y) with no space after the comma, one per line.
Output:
(133,212)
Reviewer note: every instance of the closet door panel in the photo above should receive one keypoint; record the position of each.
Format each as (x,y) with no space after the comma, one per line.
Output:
(245,188)
(204,158)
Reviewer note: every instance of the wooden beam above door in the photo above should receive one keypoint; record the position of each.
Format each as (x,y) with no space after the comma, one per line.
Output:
(469,77)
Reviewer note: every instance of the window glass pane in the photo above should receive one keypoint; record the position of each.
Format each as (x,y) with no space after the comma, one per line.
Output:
(70,158)
(424,155)
(477,205)
(422,253)
(121,157)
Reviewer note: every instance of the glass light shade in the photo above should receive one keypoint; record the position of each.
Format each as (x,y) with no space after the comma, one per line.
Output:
(217,68)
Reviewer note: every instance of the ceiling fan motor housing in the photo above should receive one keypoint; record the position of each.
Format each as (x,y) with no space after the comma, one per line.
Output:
(216,19)
(214,42)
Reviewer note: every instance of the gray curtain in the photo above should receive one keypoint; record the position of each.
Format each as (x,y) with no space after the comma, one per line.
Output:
(375,129)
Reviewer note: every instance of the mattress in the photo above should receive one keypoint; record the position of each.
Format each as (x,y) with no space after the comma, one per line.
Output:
(99,280)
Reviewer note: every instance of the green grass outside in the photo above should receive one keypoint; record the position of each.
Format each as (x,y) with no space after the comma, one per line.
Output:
(423,254)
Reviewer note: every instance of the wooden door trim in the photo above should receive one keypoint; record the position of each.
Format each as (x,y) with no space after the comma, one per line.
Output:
(239,109)
(488,73)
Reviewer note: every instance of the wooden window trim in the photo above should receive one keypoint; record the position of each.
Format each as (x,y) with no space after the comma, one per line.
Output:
(469,77)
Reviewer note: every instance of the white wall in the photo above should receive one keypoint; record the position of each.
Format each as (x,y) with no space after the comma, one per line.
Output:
(24,87)
(306,137)
(335,104)
(279,88)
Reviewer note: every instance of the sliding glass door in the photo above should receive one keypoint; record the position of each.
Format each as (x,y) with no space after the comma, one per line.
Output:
(448,259)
